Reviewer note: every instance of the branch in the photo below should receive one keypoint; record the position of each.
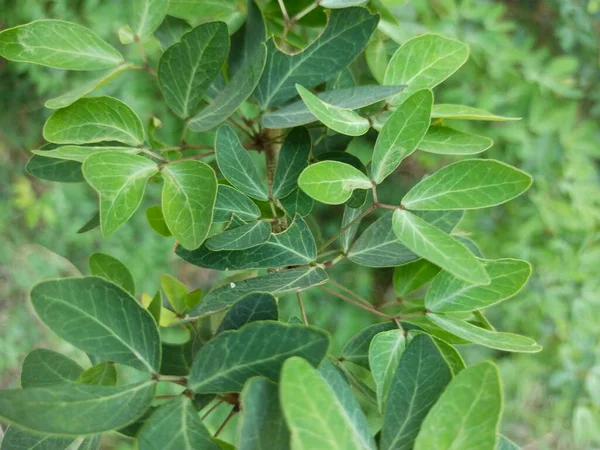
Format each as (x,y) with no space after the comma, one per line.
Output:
(352,222)
(360,305)
(302,310)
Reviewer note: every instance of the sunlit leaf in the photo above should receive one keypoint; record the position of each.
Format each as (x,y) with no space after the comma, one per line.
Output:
(332,182)
(448,141)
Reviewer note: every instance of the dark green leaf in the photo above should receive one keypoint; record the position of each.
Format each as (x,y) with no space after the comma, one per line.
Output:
(103,374)
(147,16)
(297,202)
(251,308)
(240,238)
(45,368)
(293,159)
(157,222)
(111,269)
(171,30)
(18,439)
(356,349)
(177,359)
(91,224)
(52,169)
(231,201)
(247,41)
(410,277)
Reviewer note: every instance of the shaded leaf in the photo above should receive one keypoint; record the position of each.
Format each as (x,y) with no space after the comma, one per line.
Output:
(91,224)
(297,202)
(46,368)
(17,439)
(384,355)
(103,374)
(251,308)
(113,270)
(332,182)
(248,41)
(240,238)
(356,349)
(231,201)
(410,277)
(292,160)
(171,30)
(351,214)
(147,16)
(377,60)
(157,222)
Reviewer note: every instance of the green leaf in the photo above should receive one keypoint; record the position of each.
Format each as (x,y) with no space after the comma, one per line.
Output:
(261,425)
(230,201)
(251,308)
(100,318)
(504,444)
(342,120)
(16,439)
(450,294)
(75,409)
(313,412)
(147,16)
(292,160)
(193,9)
(90,443)
(297,113)
(450,354)
(248,41)
(297,202)
(348,235)
(58,44)
(95,119)
(410,277)
(113,270)
(385,351)
(240,238)
(291,280)
(332,182)
(51,169)
(493,339)
(236,165)
(401,134)
(187,68)
(344,38)
(421,377)
(171,30)
(377,60)
(177,358)
(462,112)
(103,374)
(342,3)
(188,198)
(70,97)
(474,396)
(226,362)
(356,349)
(448,141)
(232,96)
(436,246)
(468,184)
(378,245)
(175,424)
(294,246)
(121,187)
(79,152)
(425,61)
(156,219)
(91,224)
(175,291)
(46,368)
(155,307)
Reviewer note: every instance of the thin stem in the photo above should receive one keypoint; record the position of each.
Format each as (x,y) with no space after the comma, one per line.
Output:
(164,397)
(301,305)
(329,252)
(241,127)
(360,305)
(142,53)
(348,225)
(349,291)
(305,11)
(227,419)
(193,158)
(386,206)
(212,408)
(286,16)
(409,315)
(154,155)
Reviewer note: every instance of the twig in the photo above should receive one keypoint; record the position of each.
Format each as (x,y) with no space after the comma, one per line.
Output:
(360,305)
(352,222)
(227,419)
(154,155)
(350,292)
(305,11)
(212,408)
(302,310)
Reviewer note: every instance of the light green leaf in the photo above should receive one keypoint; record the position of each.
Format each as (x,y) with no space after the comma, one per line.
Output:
(421,377)
(275,283)
(240,238)
(100,318)
(70,97)
(248,41)
(342,3)
(188,198)
(171,30)
(90,443)
(410,277)
(80,152)
(156,219)
(147,16)
(103,374)
(506,444)
(297,113)
(175,291)
(261,425)
(187,68)
(113,270)
(450,294)
(251,308)
(448,141)
(332,182)
(401,134)
(177,425)
(425,61)
(75,409)
(493,339)
(462,112)
(344,38)
(120,180)
(378,245)
(384,355)
(468,184)
(348,235)
(294,246)
(474,396)
(231,201)
(226,362)
(297,202)
(17,439)
(233,95)
(342,120)
(45,368)
(436,246)
(236,165)
(95,119)
(193,9)
(377,59)
(356,349)
(292,160)
(313,412)
(58,44)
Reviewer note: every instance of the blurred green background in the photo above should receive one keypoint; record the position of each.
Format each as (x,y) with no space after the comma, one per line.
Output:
(538,60)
